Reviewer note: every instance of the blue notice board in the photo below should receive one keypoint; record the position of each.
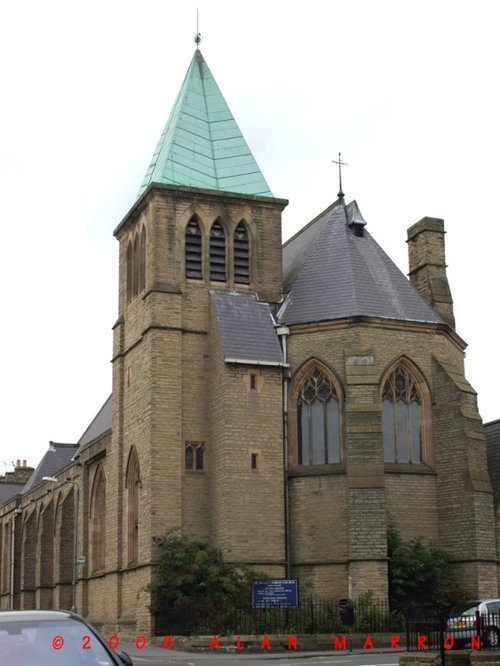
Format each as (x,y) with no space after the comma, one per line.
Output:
(282,592)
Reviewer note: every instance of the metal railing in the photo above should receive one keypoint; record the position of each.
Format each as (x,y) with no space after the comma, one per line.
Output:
(312,616)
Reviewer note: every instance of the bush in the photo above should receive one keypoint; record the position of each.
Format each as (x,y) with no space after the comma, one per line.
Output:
(419,576)
(191,574)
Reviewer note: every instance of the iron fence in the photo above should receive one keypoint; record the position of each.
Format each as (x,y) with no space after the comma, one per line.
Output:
(476,631)
(312,616)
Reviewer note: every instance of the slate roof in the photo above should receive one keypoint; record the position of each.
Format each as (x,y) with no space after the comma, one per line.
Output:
(57,457)
(8,490)
(201,145)
(331,273)
(246,329)
(100,424)
(492,434)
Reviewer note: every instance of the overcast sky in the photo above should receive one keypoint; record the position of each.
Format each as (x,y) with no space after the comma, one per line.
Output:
(407,91)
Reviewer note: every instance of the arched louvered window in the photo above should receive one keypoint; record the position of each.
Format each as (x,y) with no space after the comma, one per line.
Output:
(217,252)
(98,522)
(135,269)
(193,248)
(318,420)
(130,271)
(142,260)
(402,417)
(241,255)
(132,484)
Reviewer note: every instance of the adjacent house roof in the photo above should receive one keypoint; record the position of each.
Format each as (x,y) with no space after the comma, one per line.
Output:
(8,490)
(334,269)
(57,457)
(201,145)
(492,434)
(246,329)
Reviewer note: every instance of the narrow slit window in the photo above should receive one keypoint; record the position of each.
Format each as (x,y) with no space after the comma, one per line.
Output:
(253,381)
(253,461)
(241,255)
(193,248)
(217,252)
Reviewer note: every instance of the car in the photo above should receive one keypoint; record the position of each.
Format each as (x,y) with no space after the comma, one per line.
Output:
(475,618)
(53,638)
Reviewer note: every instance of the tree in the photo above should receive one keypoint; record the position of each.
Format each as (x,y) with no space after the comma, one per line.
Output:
(190,572)
(419,576)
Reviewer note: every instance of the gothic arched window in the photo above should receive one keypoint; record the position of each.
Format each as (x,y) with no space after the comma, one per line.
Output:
(241,254)
(130,271)
(318,420)
(98,521)
(193,249)
(142,260)
(132,484)
(217,252)
(135,269)
(402,417)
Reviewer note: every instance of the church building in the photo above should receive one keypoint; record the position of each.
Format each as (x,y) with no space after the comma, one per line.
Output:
(283,402)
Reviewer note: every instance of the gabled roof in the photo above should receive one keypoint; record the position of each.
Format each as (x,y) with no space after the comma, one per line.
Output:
(246,329)
(201,145)
(100,424)
(331,272)
(57,457)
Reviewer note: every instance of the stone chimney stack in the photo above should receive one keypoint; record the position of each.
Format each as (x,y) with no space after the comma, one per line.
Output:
(427,266)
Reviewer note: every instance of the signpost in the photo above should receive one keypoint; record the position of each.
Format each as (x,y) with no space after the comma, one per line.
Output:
(279,592)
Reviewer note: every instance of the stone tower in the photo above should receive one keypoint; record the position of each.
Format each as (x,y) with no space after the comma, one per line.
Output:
(197,365)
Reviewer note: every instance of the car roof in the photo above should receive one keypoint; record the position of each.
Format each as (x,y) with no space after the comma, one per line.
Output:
(35,615)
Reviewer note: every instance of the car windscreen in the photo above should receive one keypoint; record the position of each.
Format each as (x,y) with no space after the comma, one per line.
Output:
(51,643)
(468,608)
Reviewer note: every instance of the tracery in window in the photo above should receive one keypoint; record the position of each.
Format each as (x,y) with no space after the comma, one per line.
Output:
(132,484)
(217,252)
(402,418)
(318,420)
(241,255)
(193,250)
(194,456)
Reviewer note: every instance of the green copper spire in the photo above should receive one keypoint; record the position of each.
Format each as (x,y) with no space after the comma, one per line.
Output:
(201,145)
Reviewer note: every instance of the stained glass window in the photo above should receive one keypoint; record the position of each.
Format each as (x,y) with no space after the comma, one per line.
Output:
(318,421)
(402,418)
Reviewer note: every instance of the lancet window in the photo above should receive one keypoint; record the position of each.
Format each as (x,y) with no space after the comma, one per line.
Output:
(133,484)
(217,252)
(98,522)
(241,255)
(193,249)
(318,420)
(402,417)
(136,265)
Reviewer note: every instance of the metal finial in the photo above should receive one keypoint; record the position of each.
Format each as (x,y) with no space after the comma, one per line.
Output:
(197,38)
(340,164)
